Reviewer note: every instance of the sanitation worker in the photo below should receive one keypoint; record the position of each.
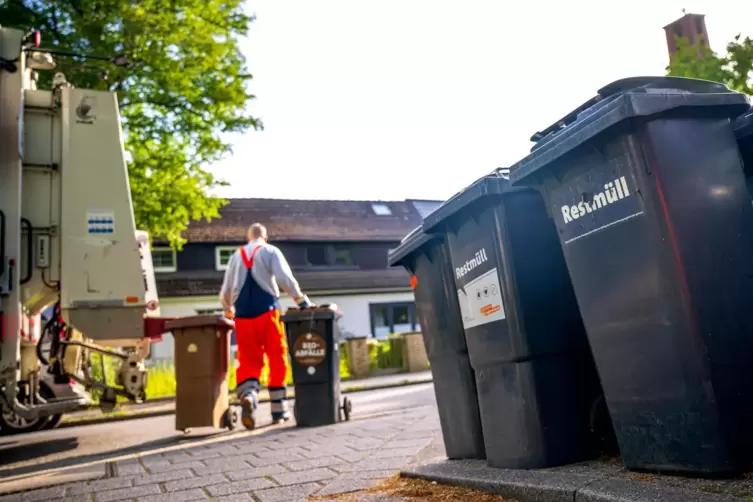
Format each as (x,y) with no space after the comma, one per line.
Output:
(251,296)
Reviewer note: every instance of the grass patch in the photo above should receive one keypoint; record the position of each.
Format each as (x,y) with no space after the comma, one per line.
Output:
(399,488)
(161,382)
(642,477)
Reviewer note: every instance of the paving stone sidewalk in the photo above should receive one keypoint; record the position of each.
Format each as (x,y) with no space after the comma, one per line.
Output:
(165,406)
(270,465)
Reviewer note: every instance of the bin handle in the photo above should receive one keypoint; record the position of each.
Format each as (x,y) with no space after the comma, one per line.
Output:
(503,172)
(682,83)
(566,120)
(626,84)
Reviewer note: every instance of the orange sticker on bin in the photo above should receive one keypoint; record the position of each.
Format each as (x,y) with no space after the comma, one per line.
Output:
(132,299)
(413,282)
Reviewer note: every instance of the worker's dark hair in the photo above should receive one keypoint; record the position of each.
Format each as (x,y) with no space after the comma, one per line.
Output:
(257,231)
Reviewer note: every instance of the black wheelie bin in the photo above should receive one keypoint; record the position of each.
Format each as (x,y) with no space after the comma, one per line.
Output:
(312,335)
(647,191)
(744,133)
(537,386)
(426,258)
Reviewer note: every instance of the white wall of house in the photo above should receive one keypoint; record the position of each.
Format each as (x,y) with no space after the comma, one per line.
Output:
(356,319)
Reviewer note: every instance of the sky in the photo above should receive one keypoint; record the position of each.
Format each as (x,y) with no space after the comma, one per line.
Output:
(416,99)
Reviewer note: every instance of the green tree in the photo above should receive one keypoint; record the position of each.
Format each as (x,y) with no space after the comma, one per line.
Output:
(187,86)
(734,68)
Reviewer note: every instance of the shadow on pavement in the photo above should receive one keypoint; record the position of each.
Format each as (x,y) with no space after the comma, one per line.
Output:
(87,447)
(9,453)
(8,442)
(24,452)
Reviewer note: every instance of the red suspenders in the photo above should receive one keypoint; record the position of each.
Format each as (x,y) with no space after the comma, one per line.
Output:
(249,262)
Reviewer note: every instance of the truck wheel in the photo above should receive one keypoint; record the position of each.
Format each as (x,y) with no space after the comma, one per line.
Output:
(52,423)
(10,423)
(54,420)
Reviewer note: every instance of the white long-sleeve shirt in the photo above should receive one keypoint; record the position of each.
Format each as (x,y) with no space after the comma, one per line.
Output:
(270,268)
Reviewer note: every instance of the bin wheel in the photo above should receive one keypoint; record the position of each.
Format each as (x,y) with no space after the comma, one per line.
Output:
(232,418)
(346,408)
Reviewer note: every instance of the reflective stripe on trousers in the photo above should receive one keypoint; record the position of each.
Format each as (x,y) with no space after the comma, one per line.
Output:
(278,401)
(247,387)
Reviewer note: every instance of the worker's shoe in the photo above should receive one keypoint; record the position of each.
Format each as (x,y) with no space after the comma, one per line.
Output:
(279,418)
(249,403)
(248,392)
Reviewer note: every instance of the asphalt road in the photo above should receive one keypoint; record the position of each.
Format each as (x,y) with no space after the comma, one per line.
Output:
(74,446)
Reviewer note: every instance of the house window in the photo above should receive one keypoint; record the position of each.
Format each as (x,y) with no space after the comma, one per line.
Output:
(389,318)
(317,256)
(381,209)
(403,319)
(163,260)
(325,255)
(343,256)
(222,256)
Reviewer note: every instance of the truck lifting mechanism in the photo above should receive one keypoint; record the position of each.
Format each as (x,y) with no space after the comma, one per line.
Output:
(67,238)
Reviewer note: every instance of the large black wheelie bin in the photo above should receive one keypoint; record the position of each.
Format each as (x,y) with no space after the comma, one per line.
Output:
(647,191)
(427,259)
(744,133)
(535,377)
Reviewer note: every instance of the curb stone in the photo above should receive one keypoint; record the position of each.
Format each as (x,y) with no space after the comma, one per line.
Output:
(552,486)
(125,414)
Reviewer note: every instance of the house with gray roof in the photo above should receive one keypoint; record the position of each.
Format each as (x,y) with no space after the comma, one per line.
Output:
(337,250)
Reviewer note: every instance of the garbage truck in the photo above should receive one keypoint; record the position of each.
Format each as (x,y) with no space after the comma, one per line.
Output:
(68,241)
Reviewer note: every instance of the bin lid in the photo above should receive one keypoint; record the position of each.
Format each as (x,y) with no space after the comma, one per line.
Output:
(496,183)
(319,312)
(629,98)
(197,321)
(411,243)
(744,125)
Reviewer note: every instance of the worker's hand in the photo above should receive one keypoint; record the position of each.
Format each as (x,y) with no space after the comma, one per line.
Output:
(304,302)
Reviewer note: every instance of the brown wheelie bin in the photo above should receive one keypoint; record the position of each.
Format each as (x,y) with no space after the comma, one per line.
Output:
(202,358)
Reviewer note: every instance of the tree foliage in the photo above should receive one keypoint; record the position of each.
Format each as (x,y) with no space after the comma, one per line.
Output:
(186,87)
(734,68)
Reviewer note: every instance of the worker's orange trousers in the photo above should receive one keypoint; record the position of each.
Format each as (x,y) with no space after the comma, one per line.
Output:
(255,337)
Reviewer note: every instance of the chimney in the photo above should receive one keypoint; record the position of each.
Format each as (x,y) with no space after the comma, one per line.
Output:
(690,26)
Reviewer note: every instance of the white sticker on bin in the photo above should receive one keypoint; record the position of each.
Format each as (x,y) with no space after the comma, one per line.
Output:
(481,302)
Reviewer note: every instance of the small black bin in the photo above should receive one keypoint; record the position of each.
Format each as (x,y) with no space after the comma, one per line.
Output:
(536,382)
(315,358)
(646,188)
(427,259)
